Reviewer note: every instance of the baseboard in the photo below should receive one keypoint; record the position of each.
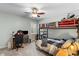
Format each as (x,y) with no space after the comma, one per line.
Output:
(3,48)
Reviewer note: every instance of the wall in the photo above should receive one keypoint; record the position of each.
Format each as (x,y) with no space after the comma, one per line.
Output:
(10,23)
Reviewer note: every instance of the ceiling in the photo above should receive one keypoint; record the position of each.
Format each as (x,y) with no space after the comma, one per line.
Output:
(53,10)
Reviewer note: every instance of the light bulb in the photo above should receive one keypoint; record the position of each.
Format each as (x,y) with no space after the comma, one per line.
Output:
(34,15)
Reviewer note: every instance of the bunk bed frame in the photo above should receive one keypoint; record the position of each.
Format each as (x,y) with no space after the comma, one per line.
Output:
(64,24)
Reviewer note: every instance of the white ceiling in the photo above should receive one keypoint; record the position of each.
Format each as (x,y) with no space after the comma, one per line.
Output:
(53,10)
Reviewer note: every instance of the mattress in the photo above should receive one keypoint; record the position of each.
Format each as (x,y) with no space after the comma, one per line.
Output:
(56,41)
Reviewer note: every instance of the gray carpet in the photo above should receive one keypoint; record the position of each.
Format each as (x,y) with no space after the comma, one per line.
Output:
(28,50)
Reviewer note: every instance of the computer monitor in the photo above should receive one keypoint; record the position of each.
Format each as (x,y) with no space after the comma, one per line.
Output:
(25,32)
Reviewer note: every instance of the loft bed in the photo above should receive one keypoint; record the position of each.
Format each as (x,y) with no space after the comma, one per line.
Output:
(56,43)
(64,24)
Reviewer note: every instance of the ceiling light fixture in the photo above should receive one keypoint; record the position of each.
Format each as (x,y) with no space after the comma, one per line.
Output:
(34,12)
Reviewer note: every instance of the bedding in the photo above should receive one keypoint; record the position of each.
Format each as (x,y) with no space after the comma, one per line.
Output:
(56,41)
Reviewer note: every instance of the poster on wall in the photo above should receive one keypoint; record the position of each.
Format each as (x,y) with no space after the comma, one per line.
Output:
(52,25)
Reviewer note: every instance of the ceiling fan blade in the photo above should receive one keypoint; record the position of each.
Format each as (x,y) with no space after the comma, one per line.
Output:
(41,13)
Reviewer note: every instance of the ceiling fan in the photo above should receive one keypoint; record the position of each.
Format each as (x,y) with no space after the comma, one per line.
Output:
(35,12)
